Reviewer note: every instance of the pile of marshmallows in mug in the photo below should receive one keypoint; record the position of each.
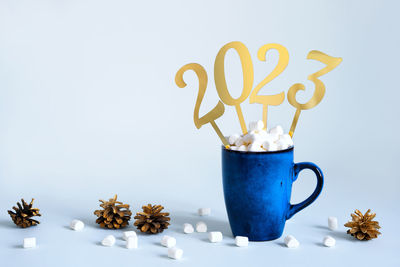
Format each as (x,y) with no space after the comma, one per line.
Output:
(259,139)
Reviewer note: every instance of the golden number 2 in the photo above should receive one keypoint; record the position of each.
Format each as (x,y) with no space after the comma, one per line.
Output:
(212,115)
(331,63)
(270,100)
(248,77)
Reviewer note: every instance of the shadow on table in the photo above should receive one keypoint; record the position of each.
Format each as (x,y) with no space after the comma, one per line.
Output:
(337,234)
(7,224)
(213,224)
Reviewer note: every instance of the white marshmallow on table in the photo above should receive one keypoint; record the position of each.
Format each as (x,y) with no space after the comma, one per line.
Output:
(215,237)
(270,145)
(278,130)
(241,241)
(128,234)
(291,241)
(233,138)
(242,148)
(332,223)
(175,253)
(201,227)
(329,241)
(168,241)
(77,225)
(256,126)
(29,242)
(108,241)
(188,228)
(132,242)
(204,211)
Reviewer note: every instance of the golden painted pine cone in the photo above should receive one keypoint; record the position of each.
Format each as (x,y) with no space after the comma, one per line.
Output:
(362,226)
(152,220)
(22,216)
(114,214)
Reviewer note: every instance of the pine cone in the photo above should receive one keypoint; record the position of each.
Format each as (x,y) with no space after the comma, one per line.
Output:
(114,214)
(22,215)
(362,227)
(151,220)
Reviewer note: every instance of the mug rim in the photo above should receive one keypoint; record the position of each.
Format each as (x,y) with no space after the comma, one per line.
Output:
(262,153)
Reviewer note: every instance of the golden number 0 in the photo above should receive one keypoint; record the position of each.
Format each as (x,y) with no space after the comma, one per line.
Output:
(248,77)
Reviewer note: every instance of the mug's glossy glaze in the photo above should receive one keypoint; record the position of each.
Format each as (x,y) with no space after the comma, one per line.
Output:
(257,189)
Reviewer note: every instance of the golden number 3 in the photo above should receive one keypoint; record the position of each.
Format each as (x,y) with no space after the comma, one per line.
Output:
(212,115)
(331,63)
(270,100)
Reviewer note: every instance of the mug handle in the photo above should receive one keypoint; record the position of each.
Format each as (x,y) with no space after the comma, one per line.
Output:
(298,167)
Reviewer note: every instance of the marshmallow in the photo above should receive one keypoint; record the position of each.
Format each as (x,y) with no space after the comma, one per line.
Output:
(204,211)
(131,242)
(29,242)
(215,237)
(332,223)
(128,234)
(278,130)
(270,145)
(242,148)
(287,139)
(242,241)
(258,139)
(263,135)
(201,227)
(239,142)
(108,241)
(329,241)
(188,228)
(77,225)
(256,126)
(233,138)
(281,144)
(175,253)
(291,241)
(168,241)
(249,137)
(255,147)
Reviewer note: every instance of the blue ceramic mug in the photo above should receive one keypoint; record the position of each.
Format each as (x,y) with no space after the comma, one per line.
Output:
(257,189)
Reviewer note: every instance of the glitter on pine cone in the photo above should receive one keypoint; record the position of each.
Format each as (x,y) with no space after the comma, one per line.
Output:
(152,220)
(114,214)
(362,226)
(22,216)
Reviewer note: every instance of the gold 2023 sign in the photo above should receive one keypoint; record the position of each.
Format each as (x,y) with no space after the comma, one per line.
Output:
(248,83)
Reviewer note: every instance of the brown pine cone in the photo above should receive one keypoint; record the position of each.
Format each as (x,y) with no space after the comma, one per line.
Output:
(22,216)
(152,220)
(362,226)
(114,214)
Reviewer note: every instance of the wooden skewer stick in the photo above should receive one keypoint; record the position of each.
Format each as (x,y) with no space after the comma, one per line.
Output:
(219,133)
(294,122)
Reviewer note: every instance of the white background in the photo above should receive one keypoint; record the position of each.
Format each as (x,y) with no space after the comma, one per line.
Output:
(89,108)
